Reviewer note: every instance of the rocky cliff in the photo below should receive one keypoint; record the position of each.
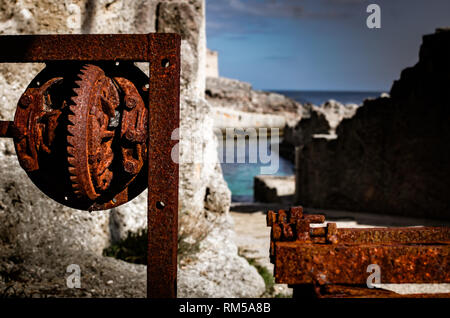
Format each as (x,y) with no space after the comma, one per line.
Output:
(316,121)
(237,104)
(40,238)
(392,156)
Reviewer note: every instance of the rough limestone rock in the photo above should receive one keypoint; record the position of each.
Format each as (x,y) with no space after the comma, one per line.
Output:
(31,272)
(392,156)
(233,94)
(43,236)
(319,121)
(230,118)
(225,276)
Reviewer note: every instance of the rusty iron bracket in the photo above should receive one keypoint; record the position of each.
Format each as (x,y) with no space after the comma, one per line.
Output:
(326,261)
(162,52)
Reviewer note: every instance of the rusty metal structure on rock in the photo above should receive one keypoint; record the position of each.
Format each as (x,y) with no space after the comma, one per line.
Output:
(92,131)
(326,261)
(81,133)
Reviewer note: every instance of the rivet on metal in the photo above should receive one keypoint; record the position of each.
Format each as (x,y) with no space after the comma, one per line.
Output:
(160,205)
(165,63)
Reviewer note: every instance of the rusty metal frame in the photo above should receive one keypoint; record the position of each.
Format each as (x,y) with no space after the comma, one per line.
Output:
(162,52)
(326,261)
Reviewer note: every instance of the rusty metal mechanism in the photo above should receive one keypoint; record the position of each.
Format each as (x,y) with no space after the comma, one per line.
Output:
(81,133)
(92,131)
(326,261)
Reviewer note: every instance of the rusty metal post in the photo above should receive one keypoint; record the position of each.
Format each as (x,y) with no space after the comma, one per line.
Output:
(164,91)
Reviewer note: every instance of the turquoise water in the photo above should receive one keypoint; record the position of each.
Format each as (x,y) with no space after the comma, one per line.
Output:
(239,176)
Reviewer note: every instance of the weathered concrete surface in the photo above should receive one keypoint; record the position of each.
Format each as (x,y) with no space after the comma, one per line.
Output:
(216,271)
(212,63)
(274,189)
(392,156)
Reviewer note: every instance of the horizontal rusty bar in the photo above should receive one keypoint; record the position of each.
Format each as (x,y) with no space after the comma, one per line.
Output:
(318,231)
(314,218)
(411,235)
(345,291)
(347,264)
(6,129)
(77,47)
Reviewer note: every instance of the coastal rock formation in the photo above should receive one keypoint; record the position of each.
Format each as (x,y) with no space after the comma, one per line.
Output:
(231,118)
(392,156)
(227,95)
(40,238)
(335,112)
(316,121)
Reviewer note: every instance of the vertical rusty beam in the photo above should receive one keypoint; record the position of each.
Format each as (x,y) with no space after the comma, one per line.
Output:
(164,96)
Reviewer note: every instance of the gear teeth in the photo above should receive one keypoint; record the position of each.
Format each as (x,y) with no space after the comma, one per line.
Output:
(71,140)
(87,75)
(72,161)
(76,114)
(72,131)
(77,91)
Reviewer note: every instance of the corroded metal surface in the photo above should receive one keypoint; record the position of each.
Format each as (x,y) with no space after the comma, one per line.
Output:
(326,256)
(77,137)
(111,134)
(75,47)
(164,94)
(338,264)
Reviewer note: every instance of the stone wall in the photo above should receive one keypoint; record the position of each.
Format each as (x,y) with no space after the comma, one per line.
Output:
(317,121)
(39,238)
(212,63)
(393,156)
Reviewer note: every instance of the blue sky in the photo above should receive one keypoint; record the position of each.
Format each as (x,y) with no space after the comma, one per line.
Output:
(319,44)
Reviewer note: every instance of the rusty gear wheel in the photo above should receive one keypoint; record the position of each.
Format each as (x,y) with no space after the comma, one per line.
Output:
(82,133)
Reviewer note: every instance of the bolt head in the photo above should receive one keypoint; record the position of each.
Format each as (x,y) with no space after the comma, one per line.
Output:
(130,167)
(130,102)
(25,100)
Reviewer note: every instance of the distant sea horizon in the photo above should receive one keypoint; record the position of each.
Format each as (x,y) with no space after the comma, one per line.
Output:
(317,97)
